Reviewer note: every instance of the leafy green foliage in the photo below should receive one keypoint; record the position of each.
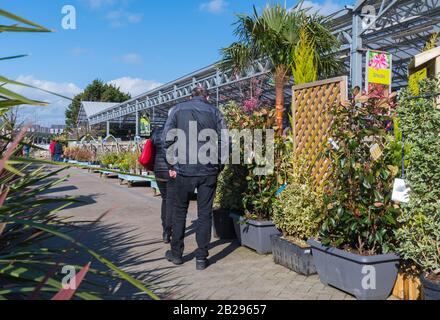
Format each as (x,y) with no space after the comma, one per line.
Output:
(274,35)
(110,159)
(259,190)
(419,235)
(124,161)
(231,185)
(29,269)
(97,91)
(298,210)
(360,213)
(305,69)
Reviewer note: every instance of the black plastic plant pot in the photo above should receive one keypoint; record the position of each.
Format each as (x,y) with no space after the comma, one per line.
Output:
(223,225)
(236,220)
(431,289)
(256,235)
(365,277)
(293,256)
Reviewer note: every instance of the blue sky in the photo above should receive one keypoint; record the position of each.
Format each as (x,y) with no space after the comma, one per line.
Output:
(137,44)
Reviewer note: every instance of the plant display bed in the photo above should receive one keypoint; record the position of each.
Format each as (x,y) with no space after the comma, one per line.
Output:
(256,235)
(365,277)
(431,289)
(106,174)
(131,180)
(236,220)
(154,186)
(293,256)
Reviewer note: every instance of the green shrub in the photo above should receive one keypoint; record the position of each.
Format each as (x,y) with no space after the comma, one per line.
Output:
(419,234)
(298,210)
(360,214)
(230,187)
(109,160)
(256,193)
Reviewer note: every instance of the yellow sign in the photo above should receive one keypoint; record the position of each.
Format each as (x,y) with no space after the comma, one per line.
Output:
(381,76)
(145,129)
(414,80)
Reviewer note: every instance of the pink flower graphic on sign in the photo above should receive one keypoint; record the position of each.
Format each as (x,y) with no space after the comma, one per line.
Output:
(379,61)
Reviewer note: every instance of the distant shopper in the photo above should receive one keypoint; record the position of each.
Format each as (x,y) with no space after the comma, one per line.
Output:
(162,178)
(58,152)
(188,121)
(52,150)
(26,151)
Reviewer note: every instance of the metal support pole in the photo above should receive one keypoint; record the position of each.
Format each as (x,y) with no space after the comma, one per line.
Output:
(217,90)
(108,128)
(356,55)
(137,123)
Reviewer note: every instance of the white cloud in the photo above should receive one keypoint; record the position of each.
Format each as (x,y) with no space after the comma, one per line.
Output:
(55,112)
(79,51)
(214,6)
(130,58)
(120,18)
(134,86)
(326,8)
(97,4)
(135,17)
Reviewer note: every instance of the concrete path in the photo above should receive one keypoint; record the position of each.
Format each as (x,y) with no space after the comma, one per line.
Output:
(130,235)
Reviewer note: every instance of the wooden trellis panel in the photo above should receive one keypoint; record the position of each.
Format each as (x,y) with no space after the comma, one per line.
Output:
(312,119)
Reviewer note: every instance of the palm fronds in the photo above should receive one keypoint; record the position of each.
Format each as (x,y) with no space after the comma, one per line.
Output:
(30,268)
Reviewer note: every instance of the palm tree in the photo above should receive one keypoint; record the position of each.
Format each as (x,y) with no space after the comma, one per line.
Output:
(274,35)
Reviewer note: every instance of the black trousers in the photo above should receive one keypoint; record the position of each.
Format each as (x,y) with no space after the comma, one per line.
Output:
(184,188)
(162,179)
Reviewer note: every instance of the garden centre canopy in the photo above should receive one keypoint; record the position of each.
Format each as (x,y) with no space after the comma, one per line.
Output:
(90,109)
(400,27)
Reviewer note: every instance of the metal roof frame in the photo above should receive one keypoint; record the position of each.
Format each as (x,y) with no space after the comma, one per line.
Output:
(400,27)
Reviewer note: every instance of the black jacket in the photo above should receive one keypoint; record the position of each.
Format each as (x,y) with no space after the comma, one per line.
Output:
(160,164)
(58,149)
(190,119)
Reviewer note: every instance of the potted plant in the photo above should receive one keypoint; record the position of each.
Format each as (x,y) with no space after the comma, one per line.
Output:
(298,213)
(256,226)
(357,236)
(419,234)
(228,205)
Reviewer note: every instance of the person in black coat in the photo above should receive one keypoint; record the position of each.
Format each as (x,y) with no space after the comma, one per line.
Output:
(162,178)
(58,152)
(188,171)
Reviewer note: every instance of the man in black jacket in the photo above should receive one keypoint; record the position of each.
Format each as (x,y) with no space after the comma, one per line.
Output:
(162,175)
(196,142)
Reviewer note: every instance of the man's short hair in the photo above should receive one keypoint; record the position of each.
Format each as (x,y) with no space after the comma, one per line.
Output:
(199,91)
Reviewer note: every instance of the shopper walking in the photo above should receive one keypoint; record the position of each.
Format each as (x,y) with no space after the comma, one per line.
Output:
(189,172)
(162,177)
(58,151)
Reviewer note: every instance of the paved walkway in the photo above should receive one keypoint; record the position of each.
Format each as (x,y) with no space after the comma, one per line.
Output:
(130,234)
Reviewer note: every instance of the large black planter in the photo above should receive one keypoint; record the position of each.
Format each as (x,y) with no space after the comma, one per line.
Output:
(223,225)
(256,235)
(236,220)
(292,256)
(365,277)
(431,289)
